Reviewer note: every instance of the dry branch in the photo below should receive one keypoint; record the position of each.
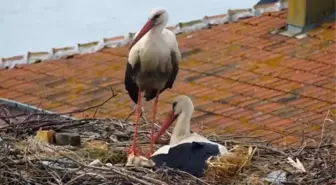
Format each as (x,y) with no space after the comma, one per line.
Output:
(23,162)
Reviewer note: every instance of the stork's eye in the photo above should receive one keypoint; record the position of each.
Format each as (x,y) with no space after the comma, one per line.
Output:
(156,16)
(174,105)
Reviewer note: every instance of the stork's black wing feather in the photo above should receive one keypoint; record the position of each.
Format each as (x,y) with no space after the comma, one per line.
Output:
(172,78)
(188,157)
(130,84)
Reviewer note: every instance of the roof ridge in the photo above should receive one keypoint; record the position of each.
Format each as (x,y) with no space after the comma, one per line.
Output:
(120,41)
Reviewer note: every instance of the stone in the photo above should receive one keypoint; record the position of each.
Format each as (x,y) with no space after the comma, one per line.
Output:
(45,136)
(72,139)
(139,161)
(96,163)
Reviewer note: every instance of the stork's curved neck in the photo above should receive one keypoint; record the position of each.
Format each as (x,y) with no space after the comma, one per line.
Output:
(182,127)
(157,30)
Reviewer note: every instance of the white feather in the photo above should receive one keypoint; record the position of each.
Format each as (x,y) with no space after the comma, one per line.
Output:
(189,139)
(298,165)
(181,132)
(159,36)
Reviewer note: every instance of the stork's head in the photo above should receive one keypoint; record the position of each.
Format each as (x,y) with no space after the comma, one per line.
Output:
(158,17)
(181,104)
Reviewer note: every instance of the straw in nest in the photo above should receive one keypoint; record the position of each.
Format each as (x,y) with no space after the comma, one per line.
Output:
(228,165)
(33,148)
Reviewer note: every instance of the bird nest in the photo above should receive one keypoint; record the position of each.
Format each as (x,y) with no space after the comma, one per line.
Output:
(101,157)
(227,166)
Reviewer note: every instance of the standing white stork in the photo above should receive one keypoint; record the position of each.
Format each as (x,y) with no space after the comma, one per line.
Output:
(187,152)
(152,66)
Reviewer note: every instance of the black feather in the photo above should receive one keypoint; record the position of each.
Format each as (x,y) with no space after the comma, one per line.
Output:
(171,79)
(188,157)
(132,87)
(129,82)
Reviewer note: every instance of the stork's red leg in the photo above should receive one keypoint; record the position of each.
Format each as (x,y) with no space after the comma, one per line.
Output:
(152,126)
(133,150)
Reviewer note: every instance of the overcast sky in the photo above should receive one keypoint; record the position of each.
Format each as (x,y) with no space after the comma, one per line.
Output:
(39,25)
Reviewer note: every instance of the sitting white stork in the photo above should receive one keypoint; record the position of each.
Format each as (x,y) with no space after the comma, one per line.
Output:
(152,66)
(187,152)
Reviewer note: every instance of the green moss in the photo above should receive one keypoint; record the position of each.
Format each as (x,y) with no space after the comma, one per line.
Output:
(99,150)
(105,156)
(190,23)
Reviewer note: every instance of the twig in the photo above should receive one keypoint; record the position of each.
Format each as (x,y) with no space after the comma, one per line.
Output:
(258,146)
(157,125)
(133,111)
(304,144)
(314,175)
(15,164)
(109,169)
(129,115)
(322,133)
(189,175)
(83,175)
(93,107)
(47,122)
(71,112)
(319,145)
(71,125)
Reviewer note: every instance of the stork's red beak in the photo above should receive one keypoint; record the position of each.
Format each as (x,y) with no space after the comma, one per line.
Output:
(148,26)
(171,117)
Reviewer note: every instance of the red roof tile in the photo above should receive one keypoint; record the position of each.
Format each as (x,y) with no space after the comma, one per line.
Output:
(242,79)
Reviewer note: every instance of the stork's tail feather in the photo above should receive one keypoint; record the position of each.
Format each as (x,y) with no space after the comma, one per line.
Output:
(149,95)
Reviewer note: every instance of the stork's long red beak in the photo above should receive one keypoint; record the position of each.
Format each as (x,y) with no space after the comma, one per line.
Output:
(148,26)
(165,125)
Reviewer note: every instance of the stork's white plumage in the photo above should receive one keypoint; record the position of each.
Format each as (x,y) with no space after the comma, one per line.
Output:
(152,65)
(186,151)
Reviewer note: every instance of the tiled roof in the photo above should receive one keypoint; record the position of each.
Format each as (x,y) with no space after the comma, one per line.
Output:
(242,77)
